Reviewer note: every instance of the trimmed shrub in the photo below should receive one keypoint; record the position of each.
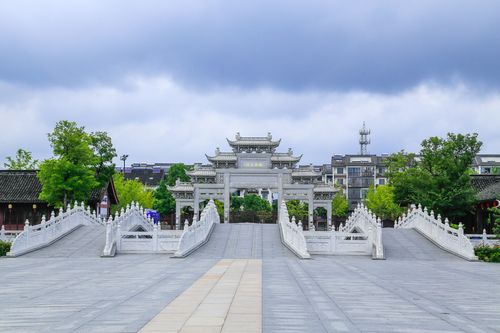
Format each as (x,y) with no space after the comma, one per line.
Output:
(488,254)
(4,248)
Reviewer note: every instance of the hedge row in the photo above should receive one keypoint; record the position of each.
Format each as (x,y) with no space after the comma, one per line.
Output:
(488,254)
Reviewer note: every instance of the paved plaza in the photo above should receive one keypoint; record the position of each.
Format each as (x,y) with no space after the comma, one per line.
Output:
(256,282)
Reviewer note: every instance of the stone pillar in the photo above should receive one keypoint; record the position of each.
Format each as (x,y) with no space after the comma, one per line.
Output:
(311,207)
(329,215)
(177,215)
(270,196)
(227,198)
(196,204)
(260,193)
(280,192)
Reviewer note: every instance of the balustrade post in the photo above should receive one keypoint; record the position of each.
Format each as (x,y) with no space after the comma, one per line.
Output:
(485,237)
(27,232)
(155,237)
(2,233)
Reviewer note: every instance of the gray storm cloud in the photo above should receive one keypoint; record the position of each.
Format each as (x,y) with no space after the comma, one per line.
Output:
(327,45)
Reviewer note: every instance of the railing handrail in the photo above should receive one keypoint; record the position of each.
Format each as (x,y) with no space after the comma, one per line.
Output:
(33,237)
(292,234)
(439,232)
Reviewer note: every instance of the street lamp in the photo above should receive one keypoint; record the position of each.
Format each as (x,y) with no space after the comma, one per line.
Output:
(124,158)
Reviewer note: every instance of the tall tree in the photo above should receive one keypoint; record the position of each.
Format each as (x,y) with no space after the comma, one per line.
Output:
(163,200)
(104,152)
(440,179)
(68,176)
(340,206)
(22,161)
(380,201)
(177,171)
(131,191)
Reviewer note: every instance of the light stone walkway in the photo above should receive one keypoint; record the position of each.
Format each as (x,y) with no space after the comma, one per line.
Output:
(228,298)
(419,288)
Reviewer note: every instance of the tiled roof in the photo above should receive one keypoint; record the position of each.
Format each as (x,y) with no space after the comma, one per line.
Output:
(149,177)
(23,186)
(486,186)
(222,156)
(285,157)
(19,186)
(202,172)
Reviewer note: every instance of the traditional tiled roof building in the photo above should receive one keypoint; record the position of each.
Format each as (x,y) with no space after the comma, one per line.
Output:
(19,198)
(254,166)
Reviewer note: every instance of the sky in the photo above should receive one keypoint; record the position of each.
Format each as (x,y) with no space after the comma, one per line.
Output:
(171,80)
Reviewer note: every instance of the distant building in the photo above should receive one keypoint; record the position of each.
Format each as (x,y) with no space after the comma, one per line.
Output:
(19,198)
(356,173)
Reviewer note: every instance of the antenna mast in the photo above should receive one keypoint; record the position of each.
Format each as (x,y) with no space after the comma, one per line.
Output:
(364,141)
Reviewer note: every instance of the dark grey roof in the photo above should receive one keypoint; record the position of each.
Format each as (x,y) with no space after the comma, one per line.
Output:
(23,186)
(487,186)
(149,177)
(19,186)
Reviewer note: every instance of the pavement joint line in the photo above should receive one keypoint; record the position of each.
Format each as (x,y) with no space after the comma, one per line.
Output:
(198,307)
(373,279)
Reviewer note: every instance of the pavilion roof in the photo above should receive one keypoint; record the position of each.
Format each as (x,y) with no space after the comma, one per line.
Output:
(202,172)
(305,172)
(324,188)
(285,157)
(181,187)
(258,141)
(222,156)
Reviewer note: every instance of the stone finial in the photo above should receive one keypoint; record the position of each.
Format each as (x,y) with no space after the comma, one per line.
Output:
(26,223)
(52,215)
(446,221)
(293,219)
(186,224)
(460,226)
(425,210)
(43,219)
(300,224)
(110,219)
(431,213)
(75,204)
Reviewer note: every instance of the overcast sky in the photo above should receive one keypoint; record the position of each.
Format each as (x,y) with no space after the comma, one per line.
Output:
(169,81)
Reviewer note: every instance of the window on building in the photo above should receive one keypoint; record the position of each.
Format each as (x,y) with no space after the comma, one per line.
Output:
(354,171)
(340,181)
(364,191)
(381,181)
(486,170)
(340,171)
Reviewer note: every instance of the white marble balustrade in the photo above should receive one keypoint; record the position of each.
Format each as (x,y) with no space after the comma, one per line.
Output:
(437,231)
(292,235)
(34,237)
(199,232)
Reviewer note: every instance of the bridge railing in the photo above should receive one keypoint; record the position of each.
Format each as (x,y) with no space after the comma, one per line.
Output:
(362,220)
(34,237)
(198,232)
(483,239)
(292,235)
(133,218)
(437,231)
(8,235)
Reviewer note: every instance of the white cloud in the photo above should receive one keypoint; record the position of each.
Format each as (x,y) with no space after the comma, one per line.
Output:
(154,119)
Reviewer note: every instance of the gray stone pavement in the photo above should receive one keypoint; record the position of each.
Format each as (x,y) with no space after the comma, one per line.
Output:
(419,288)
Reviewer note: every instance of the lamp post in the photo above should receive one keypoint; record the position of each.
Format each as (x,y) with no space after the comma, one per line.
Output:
(124,158)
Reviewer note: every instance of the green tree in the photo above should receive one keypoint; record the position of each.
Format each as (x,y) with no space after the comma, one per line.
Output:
(253,202)
(236,203)
(440,179)
(23,161)
(64,182)
(69,176)
(177,171)
(298,209)
(340,206)
(104,152)
(380,201)
(163,200)
(131,191)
